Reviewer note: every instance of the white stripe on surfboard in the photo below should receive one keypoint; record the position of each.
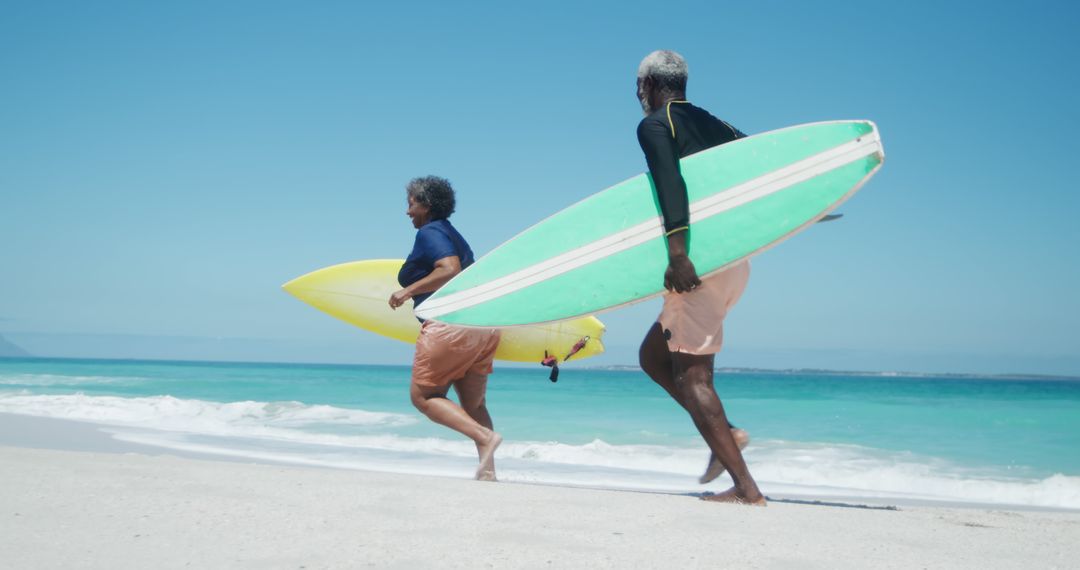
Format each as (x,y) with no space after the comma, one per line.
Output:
(628,238)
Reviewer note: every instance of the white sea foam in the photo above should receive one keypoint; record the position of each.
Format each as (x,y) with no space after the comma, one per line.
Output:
(320,435)
(847,470)
(598,453)
(598,464)
(40,380)
(246,418)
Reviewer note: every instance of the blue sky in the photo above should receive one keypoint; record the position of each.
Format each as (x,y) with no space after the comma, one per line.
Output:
(165,167)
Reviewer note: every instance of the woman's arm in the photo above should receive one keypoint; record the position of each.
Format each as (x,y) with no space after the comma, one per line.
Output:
(445,270)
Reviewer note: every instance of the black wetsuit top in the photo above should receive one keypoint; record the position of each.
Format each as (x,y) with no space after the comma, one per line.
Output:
(674,131)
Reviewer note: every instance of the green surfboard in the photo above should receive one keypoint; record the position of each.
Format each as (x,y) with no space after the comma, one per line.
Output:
(609,250)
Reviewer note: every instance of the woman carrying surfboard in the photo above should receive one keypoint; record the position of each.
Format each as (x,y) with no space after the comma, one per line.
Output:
(679,350)
(446,355)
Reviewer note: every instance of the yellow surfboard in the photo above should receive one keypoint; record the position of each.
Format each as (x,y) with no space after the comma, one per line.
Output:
(357,293)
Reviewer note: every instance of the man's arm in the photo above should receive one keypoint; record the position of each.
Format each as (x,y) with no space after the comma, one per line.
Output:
(663,160)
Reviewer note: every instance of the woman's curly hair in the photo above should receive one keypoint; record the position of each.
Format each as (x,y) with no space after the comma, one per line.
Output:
(435,193)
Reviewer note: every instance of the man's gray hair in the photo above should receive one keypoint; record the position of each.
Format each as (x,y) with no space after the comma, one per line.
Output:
(666,68)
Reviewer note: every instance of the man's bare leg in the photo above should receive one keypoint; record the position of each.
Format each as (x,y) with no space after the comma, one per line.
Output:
(655,359)
(715,468)
(433,403)
(472,393)
(693,376)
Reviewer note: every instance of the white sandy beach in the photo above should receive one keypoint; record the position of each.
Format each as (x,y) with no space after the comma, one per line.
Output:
(121,509)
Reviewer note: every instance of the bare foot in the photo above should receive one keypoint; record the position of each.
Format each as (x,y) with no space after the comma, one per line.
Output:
(715,468)
(733,495)
(486,470)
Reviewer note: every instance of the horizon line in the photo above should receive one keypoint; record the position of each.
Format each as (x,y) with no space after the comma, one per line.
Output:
(606,367)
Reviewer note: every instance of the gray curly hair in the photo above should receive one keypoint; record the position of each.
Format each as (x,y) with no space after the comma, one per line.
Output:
(666,68)
(435,193)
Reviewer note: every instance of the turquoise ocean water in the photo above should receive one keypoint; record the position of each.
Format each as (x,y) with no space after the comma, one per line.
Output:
(954,439)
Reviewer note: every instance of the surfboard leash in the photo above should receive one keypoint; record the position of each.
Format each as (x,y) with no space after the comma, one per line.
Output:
(553,361)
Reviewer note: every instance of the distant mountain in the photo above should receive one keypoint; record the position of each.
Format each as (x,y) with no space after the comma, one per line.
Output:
(9,349)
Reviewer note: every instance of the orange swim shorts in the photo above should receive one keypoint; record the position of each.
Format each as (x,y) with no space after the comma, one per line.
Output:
(447,353)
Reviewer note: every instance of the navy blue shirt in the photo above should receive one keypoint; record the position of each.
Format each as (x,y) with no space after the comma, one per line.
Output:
(434,240)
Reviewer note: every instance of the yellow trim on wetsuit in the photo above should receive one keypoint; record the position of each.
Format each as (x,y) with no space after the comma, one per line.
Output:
(734,132)
(669,121)
(672,123)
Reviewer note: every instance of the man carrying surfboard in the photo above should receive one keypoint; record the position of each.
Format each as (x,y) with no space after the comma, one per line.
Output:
(679,350)
(446,355)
